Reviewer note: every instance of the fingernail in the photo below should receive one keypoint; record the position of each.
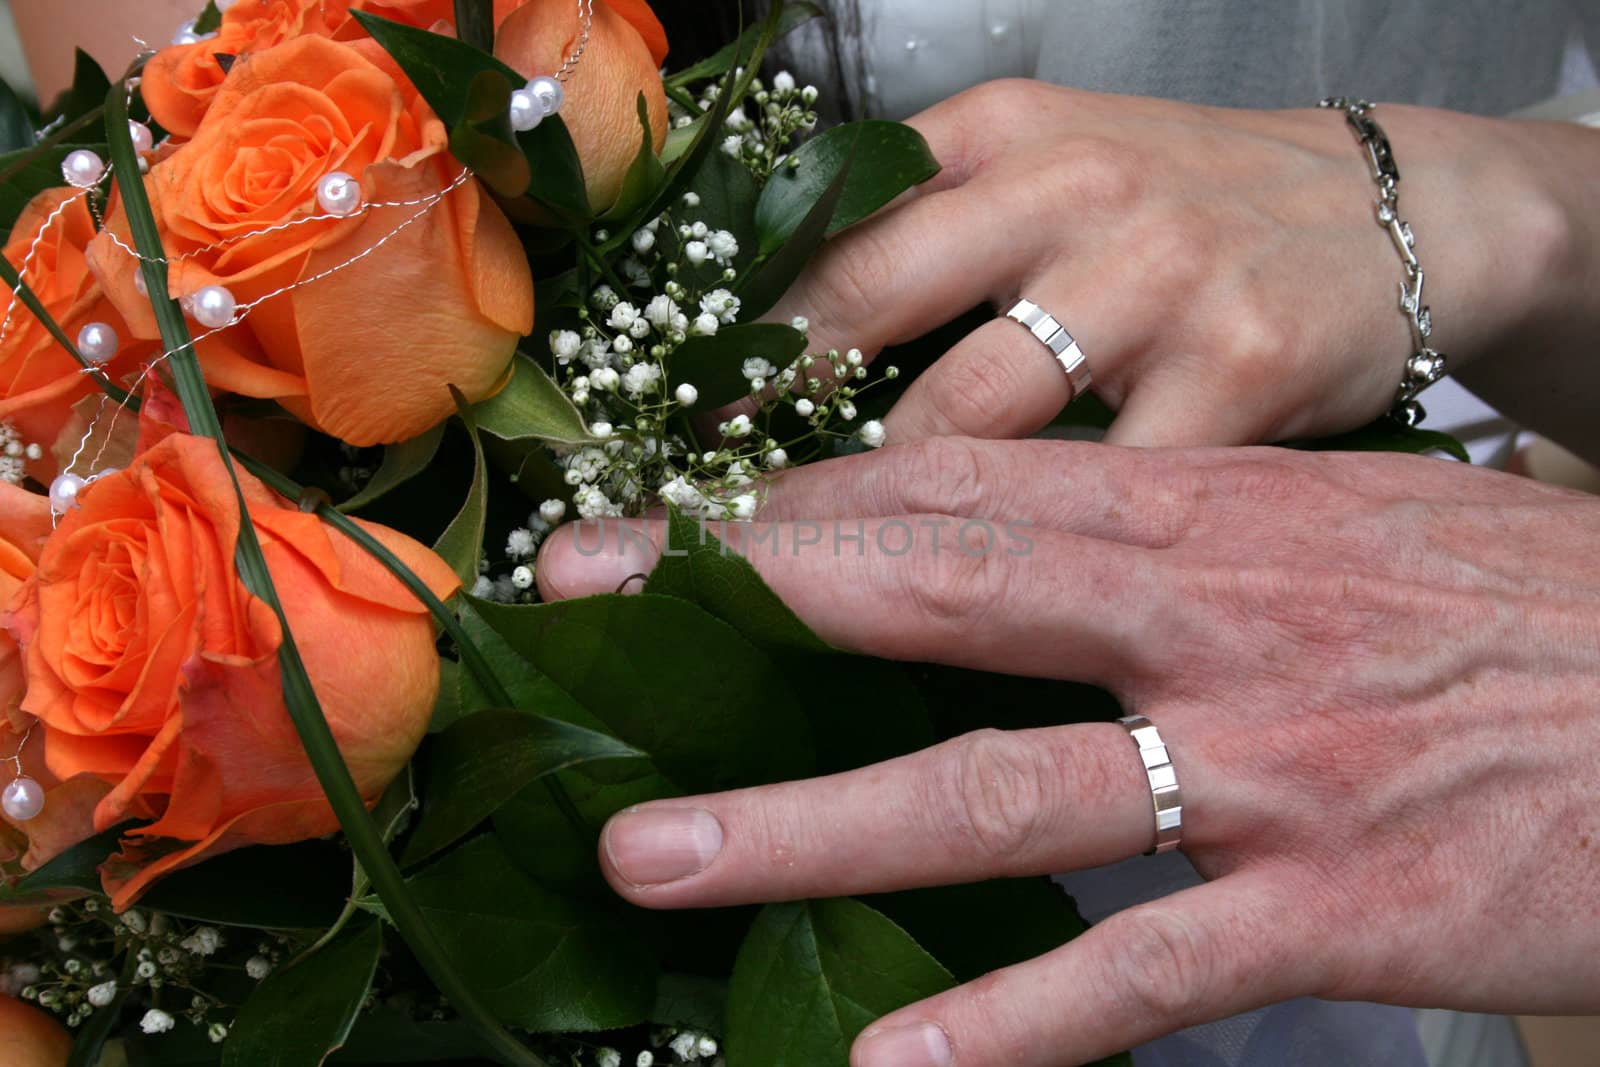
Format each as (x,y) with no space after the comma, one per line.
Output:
(917,1045)
(585,558)
(650,846)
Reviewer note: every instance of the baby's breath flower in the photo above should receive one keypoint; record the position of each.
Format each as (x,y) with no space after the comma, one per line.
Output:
(103,994)
(483,589)
(643,240)
(705,324)
(783,82)
(724,246)
(520,543)
(804,408)
(758,367)
(522,577)
(723,304)
(738,426)
(871,433)
(686,394)
(564,345)
(733,145)
(156,1021)
(217,1033)
(696,252)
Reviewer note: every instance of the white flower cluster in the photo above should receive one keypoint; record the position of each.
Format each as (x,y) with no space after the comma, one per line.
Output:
(15,453)
(782,110)
(671,1046)
(88,959)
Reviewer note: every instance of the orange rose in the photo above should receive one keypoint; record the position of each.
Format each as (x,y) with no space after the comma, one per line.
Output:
(181,80)
(30,1037)
(621,59)
(151,669)
(67,816)
(39,381)
(366,353)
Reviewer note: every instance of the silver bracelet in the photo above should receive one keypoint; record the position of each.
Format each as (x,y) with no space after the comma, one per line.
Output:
(1425,366)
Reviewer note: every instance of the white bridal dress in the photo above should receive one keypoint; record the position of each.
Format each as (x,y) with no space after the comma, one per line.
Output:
(900,56)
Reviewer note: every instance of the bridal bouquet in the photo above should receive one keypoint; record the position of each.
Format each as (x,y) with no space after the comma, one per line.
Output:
(317,322)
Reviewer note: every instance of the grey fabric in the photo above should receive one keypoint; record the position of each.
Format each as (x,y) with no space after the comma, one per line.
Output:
(1485,56)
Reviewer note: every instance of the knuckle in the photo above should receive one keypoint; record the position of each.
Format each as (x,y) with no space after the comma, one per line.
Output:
(970,390)
(1161,967)
(1105,173)
(943,474)
(1001,99)
(951,586)
(994,791)
(851,276)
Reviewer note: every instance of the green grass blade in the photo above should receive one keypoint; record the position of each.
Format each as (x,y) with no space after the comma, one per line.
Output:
(365,838)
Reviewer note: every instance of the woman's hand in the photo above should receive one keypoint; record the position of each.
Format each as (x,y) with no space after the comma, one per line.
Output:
(1223,271)
(1378,678)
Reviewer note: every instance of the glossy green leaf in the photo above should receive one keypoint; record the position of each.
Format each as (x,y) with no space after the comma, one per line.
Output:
(270,887)
(486,759)
(442,68)
(541,961)
(789,17)
(811,976)
(88,91)
(557,172)
(302,1013)
(76,868)
(873,712)
(645,174)
(771,277)
(888,158)
(485,141)
(714,364)
(532,405)
(209,19)
(1386,435)
(16,123)
(713,711)
(401,463)
(461,544)
(523,686)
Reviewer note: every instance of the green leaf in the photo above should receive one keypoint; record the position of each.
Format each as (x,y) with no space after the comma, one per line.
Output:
(645,174)
(770,279)
(299,1015)
(532,405)
(210,19)
(540,961)
(32,171)
(270,887)
(692,1001)
(698,568)
(713,711)
(16,123)
(91,1038)
(441,68)
(1386,435)
(401,463)
(89,88)
(486,759)
(888,158)
(461,544)
(714,364)
(557,172)
(522,685)
(475,23)
(76,868)
(789,17)
(485,141)
(873,712)
(389,1036)
(811,976)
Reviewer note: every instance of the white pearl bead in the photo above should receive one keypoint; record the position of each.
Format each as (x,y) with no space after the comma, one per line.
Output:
(526,110)
(339,194)
(213,307)
(548,92)
(82,169)
(97,342)
(23,799)
(143,139)
(64,492)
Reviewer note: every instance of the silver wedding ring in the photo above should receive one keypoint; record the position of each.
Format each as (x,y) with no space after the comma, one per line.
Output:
(1055,337)
(1164,791)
